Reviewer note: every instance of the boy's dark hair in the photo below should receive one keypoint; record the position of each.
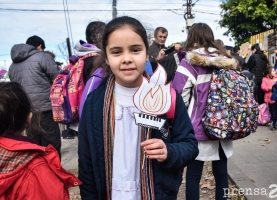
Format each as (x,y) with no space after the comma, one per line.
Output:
(201,35)
(255,46)
(162,29)
(268,70)
(236,49)
(94,32)
(15,107)
(36,41)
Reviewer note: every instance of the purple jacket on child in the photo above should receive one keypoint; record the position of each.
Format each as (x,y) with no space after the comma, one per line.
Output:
(192,81)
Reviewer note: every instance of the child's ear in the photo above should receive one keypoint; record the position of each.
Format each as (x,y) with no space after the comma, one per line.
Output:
(29,118)
(107,62)
(147,58)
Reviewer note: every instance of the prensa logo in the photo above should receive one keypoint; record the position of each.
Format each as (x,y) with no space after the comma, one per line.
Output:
(252,191)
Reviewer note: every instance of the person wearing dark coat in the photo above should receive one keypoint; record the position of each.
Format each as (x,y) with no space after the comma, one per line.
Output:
(36,71)
(257,64)
(235,54)
(167,175)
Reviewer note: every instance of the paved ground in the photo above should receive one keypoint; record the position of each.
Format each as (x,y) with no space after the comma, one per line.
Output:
(253,167)
(254,164)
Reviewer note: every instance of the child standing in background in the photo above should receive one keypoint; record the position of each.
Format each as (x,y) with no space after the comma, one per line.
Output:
(27,171)
(111,145)
(268,81)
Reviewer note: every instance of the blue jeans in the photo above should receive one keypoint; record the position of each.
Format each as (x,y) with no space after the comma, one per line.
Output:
(194,173)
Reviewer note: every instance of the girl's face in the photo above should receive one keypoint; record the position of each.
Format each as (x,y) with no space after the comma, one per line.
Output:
(273,73)
(126,56)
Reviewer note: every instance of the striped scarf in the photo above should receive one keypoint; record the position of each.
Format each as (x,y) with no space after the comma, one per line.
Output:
(146,174)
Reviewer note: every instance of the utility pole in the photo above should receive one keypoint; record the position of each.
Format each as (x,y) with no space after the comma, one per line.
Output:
(68,47)
(114,9)
(189,17)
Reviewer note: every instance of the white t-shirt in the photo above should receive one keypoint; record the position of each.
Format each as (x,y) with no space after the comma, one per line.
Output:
(126,155)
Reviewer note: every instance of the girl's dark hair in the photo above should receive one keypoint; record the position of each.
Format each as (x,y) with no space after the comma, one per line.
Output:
(94,32)
(113,25)
(268,70)
(15,108)
(201,35)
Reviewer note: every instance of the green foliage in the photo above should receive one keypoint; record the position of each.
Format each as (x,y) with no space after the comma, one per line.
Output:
(244,18)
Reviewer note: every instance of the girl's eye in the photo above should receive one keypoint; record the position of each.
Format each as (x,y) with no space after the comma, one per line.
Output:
(115,52)
(136,50)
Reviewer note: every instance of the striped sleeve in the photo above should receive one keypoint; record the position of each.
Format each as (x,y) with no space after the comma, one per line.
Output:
(184,81)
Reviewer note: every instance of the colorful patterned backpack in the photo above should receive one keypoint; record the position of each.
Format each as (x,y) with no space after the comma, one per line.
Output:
(66,92)
(231,110)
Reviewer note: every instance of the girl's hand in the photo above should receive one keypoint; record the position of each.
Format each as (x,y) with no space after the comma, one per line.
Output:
(155,149)
(161,54)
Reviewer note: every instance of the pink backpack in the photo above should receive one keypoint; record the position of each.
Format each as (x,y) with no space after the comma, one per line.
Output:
(264,115)
(66,92)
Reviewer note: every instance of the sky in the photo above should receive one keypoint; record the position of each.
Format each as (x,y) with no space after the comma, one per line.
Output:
(17,24)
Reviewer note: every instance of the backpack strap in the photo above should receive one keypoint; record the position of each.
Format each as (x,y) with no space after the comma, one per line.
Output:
(170,114)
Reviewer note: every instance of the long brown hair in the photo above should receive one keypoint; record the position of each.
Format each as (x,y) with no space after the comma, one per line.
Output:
(200,35)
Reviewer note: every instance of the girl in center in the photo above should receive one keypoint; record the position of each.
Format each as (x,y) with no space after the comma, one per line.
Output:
(111,145)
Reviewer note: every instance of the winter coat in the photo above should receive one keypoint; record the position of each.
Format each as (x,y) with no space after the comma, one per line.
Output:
(266,86)
(257,64)
(181,146)
(154,50)
(192,81)
(35,71)
(29,171)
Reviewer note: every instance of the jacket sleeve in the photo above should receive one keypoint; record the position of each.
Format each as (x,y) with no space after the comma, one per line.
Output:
(50,67)
(184,81)
(42,183)
(264,85)
(85,173)
(183,148)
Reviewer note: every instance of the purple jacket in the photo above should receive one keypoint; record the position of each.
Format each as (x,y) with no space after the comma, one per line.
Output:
(192,81)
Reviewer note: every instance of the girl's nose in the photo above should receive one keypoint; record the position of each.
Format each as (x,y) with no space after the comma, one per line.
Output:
(127,58)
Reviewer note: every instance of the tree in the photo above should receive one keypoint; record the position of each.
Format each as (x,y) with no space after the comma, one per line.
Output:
(244,18)
(63,52)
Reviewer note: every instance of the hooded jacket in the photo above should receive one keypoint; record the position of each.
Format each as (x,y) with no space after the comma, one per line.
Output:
(266,86)
(29,171)
(192,81)
(181,147)
(257,64)
(35,71)
(82,48)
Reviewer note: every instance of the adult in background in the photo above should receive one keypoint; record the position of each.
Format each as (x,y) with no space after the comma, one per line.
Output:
(192,81)
(235,53)
(157,54)
(257,64)
(160,36)
(36,71)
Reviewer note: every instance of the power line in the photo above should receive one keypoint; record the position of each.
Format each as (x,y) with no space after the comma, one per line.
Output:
(65,19)
(48,10)
(72,41)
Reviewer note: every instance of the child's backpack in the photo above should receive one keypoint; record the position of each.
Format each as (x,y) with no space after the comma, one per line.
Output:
(92,83)
(66,92)
(231,110)
(264,114)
